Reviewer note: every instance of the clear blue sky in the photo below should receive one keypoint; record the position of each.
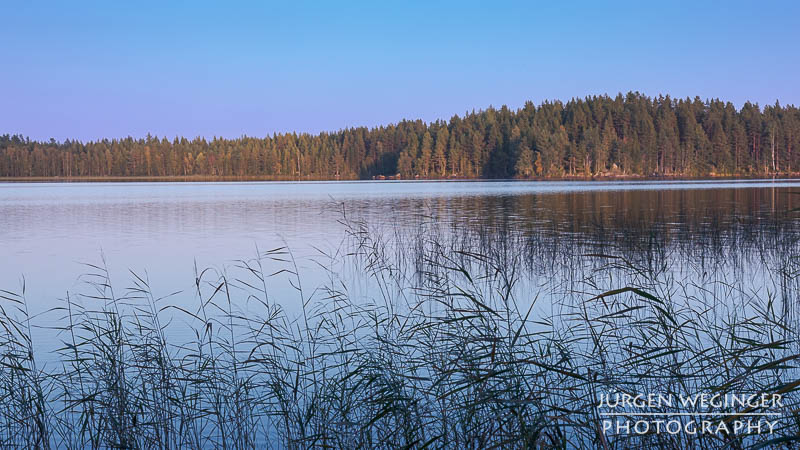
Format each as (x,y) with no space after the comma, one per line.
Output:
(86,70)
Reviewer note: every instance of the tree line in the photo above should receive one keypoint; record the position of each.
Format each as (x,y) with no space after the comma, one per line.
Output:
(628,134)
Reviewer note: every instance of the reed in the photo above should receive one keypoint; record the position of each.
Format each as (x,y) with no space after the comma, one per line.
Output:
(456,346)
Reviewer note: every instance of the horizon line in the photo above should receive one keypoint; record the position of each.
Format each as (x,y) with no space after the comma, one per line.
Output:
(706,101)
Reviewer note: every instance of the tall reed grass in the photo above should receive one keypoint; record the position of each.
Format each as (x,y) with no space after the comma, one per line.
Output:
(455,347)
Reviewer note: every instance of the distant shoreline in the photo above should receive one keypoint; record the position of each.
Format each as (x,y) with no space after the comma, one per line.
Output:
(202,178)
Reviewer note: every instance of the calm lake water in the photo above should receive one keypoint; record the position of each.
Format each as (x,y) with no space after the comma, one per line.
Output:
(506,288)
(48,230)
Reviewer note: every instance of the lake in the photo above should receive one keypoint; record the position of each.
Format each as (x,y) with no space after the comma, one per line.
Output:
(48,229)
(320,270)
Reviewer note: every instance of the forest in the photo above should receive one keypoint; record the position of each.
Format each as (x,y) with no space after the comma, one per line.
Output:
(627,135)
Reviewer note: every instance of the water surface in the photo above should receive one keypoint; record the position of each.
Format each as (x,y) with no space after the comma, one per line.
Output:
(414,281)
(47,230)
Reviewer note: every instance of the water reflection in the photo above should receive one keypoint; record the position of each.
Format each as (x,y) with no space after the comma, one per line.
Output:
(399,313)
(47,229)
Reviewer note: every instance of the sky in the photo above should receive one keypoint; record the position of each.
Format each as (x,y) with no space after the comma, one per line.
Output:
(90,70)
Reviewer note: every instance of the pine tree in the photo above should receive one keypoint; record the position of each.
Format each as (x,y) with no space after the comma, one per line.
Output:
(630,133)
(524,166)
